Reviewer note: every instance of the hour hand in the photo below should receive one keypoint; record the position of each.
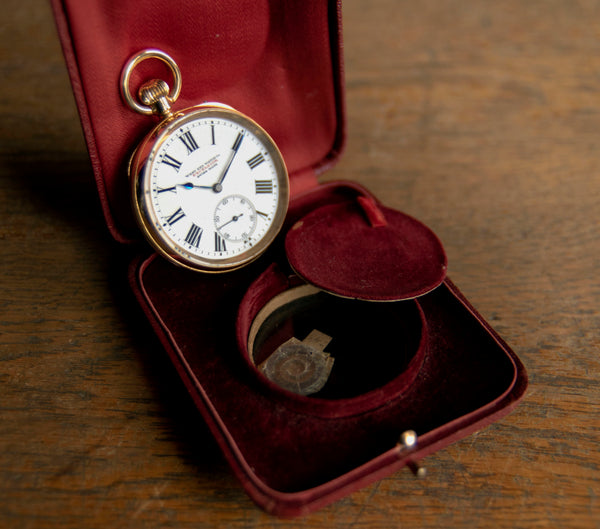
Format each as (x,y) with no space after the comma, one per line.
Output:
(189,185)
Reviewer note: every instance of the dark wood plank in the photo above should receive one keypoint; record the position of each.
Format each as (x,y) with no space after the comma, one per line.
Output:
(479,118)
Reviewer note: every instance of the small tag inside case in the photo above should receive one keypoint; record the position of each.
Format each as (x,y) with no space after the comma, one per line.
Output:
(300,366)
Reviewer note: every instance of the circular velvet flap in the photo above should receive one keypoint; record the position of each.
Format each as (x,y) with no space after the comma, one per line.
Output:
(365,251)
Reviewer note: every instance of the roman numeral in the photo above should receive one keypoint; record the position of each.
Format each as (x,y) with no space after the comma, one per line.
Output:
(178,215)
(220,245)
(189,141)
(255,161)
(194,235)
(263,186)
(264,215)
(169,160)
(237,142)
(164,189)
(212,133)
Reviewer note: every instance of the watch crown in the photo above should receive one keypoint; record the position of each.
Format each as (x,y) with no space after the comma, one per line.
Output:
(155,94)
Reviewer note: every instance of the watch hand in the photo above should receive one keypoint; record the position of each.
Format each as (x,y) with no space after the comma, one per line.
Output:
(189,185)
(217,187)
(234,219)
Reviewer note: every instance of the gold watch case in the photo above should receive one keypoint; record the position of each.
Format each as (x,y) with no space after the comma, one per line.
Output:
(190,248)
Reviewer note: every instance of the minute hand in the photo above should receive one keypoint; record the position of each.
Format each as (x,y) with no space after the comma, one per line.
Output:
(234,150)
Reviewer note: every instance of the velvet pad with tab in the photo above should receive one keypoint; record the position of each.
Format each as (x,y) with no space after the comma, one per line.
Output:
(366,251)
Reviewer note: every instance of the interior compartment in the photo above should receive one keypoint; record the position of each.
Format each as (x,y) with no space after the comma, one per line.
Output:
(377,348)
(468,376)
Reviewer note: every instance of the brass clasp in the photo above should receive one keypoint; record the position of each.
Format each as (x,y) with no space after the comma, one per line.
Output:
(408,441)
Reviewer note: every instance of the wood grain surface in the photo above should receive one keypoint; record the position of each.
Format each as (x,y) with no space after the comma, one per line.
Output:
(480,118)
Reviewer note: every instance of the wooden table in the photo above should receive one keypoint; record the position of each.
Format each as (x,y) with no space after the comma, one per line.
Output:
(482,119)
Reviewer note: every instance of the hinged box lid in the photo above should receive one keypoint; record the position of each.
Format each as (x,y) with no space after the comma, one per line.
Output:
(277,62)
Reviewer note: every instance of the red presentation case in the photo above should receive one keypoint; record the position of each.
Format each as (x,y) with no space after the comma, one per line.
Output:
(426,363)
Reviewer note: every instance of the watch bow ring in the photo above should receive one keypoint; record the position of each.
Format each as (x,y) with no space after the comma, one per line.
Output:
(209,186)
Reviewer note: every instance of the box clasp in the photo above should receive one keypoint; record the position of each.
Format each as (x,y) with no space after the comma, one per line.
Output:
(408,441)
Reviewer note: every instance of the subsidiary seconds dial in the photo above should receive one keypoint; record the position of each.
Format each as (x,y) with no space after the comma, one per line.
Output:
(210,188)
(235,218)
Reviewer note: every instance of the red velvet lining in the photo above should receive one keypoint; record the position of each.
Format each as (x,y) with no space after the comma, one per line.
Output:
(277,63)
(289,460)
(467,375)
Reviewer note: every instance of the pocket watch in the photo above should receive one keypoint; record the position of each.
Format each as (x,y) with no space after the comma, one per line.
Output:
(209,186)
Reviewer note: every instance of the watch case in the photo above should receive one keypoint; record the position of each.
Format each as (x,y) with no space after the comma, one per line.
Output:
(446,374)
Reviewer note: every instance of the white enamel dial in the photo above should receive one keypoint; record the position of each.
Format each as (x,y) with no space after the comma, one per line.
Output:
(213,191)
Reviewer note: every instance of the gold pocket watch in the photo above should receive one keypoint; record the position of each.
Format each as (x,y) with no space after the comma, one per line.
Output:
(209,186)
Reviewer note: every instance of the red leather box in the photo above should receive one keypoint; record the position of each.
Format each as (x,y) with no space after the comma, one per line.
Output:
(411,353)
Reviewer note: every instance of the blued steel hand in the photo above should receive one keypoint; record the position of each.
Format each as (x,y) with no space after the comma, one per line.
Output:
(189,185)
